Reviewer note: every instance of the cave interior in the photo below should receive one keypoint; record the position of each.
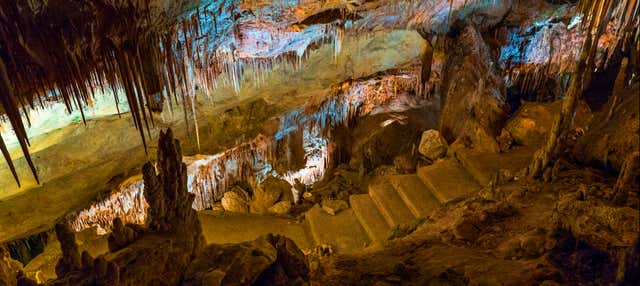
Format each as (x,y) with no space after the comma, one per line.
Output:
(308,142)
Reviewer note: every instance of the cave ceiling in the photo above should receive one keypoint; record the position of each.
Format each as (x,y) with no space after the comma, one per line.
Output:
(66,50)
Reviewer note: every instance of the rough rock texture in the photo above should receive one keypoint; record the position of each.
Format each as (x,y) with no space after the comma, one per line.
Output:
(263,200)
(123,235)
(582,262)
(531,123)
(166,191)
(268,260)
(9,268)
(275,185)
(233,202)
(290,152)
(432,145)
(280,208)
(376,143)
(606,227)
(71,259)
(160,256)
(613,131)
(477,216)
(474,93)
(269,193)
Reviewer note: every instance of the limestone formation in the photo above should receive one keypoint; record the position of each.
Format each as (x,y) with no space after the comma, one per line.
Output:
(123,235)
(474,94)
(585,217)
(269,193)
(432,145)
(232,202)
(9,268)
(612,134)
(280,208)
(71,260)
(268,260)
(275,185)
(532,121)
(172,239)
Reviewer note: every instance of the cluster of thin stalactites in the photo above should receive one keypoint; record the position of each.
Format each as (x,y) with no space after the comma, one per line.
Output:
(170,62)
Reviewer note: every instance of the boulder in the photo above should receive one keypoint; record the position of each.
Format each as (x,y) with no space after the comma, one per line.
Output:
(241,263)
(279,186)
(291,266)
(233,202)
(432,145)
(474,101)
(123,235)
(280,208)
(505,140)
(375,143)
(531,123)
(263,199)
(268,260)
(332,207)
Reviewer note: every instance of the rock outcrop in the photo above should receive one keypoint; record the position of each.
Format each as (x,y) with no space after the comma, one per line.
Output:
(531,123)
(270,192)
(123,235)
(474,104)
(171,240)
(268,260)
(9,268)
(233,202)
(170,249)
(613,132)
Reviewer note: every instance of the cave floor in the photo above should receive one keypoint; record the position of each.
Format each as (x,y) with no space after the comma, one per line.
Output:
(226,227)
(77,163)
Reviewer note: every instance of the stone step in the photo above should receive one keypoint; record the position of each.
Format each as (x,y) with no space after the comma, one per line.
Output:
(370,217)
(342,231)
(484,166)
(447,180)
(391,206)
(415,194)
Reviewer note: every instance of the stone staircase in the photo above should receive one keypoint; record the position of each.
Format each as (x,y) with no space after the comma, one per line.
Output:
(396,201)
(400,199)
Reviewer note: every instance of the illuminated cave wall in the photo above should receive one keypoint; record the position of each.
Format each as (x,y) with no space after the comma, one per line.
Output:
(209,176)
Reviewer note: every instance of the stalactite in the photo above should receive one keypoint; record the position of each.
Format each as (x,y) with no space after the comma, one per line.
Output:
(7,157)
(14,117)
(209,177)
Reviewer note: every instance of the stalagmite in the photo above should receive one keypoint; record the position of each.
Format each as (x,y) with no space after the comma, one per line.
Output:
(599,15)
(549,152)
